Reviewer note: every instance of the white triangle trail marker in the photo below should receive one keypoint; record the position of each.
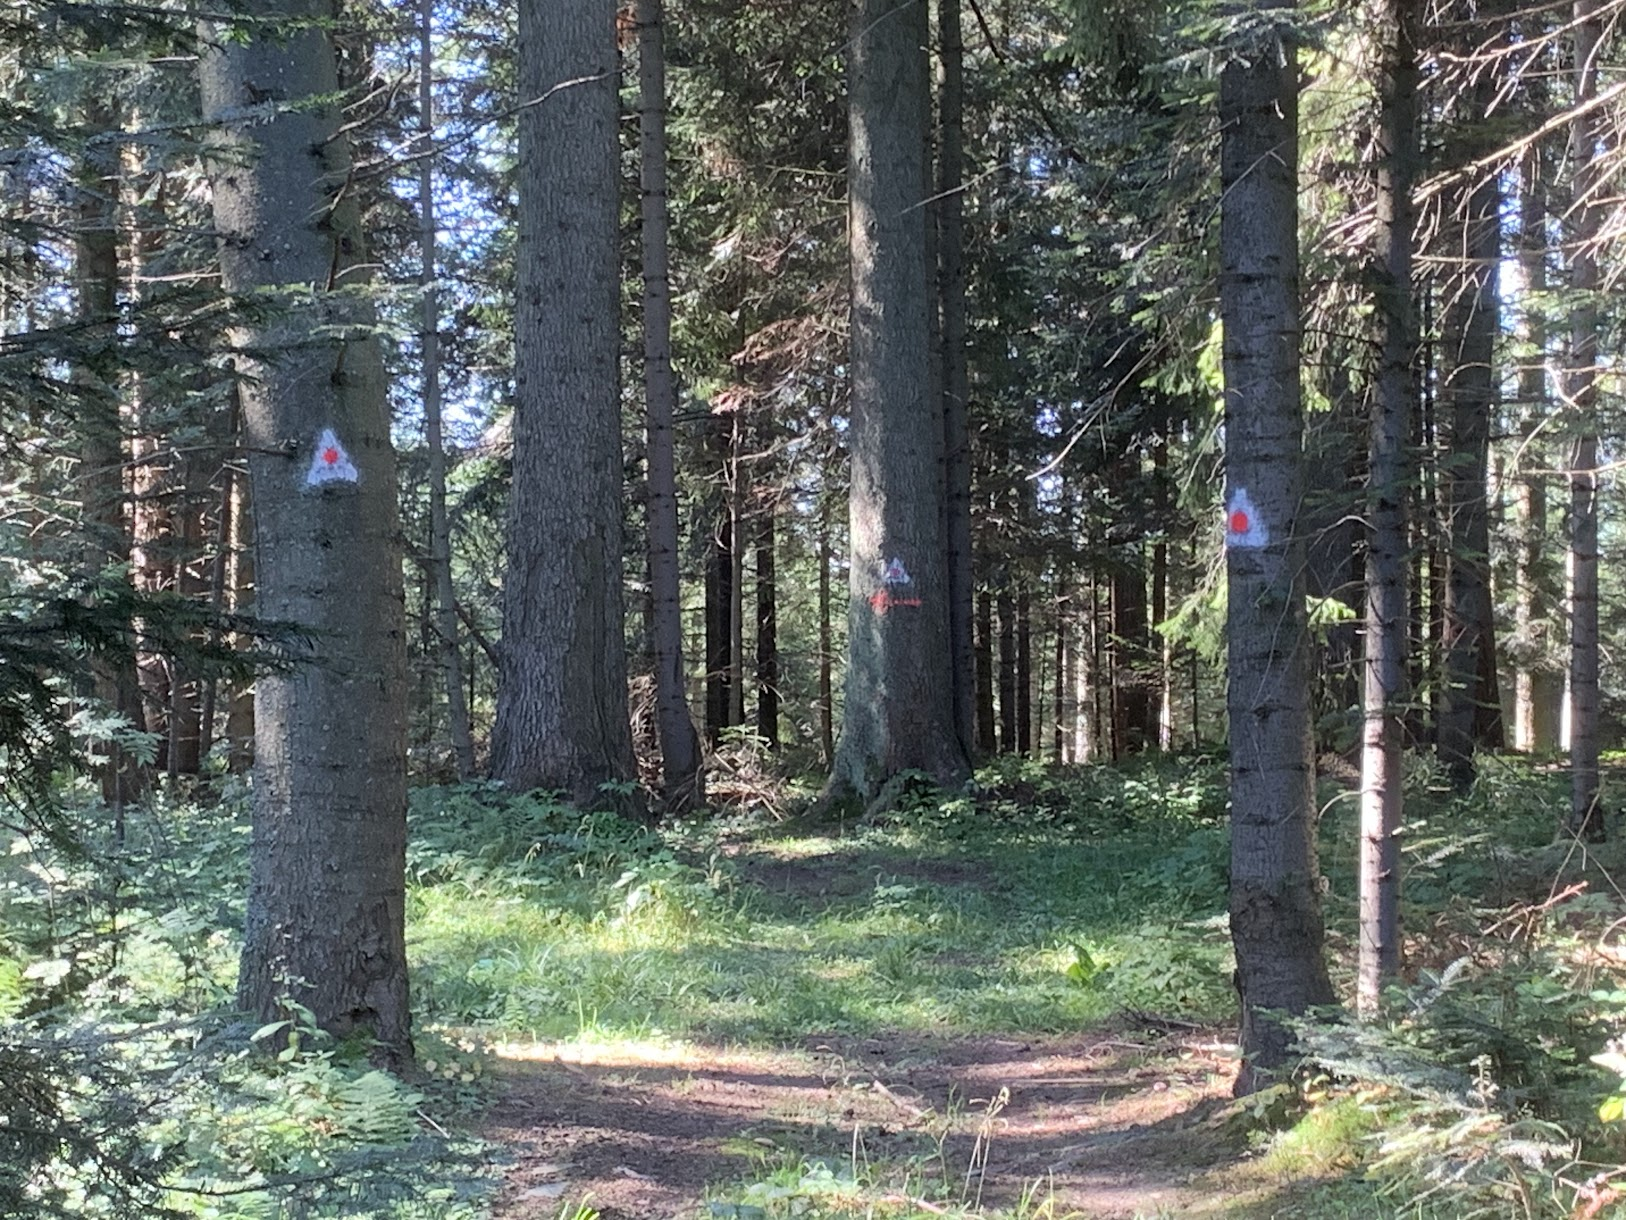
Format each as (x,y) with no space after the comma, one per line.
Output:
(1243,527)
(895,573)
(330,463)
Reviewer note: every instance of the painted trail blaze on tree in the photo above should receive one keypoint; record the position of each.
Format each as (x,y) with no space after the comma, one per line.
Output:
(330,463)
(1275,902)
(325,920)
(900,698)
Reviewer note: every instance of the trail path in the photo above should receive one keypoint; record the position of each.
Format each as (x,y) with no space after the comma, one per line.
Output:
(1112,1125)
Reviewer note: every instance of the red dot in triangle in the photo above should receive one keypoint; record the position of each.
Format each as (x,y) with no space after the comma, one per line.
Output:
(1239,521)
(330,456)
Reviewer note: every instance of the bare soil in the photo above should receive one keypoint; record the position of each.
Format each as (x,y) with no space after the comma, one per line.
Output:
(1113,1124)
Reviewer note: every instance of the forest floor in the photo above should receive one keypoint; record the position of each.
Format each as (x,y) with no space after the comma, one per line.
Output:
(1130,1118)
(1100,1125)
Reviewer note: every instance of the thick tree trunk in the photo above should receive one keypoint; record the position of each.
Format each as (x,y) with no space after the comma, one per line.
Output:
(1275,901)
(1586,812)
(562,704)
(1384,671)
(1133,665)
(956,382)
(899,710)
(240,594)
(680,745)
(440,534)
(325,921)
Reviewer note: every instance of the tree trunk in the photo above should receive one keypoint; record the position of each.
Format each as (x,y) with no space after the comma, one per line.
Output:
(1007,672)
(240,586)
(827,709)
(1384,671)
(1471,326)
(325,913)
(720,585)
(1024,672)
(899,711)
(1586,818)
(1537,690)
(562,718)
(1275,901)
(1132,659)
(987,737)
(680,745)
(101,435)
(956,382)
(440,534)
(767,615)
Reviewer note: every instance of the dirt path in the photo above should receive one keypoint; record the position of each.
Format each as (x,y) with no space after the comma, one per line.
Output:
(1113,1124)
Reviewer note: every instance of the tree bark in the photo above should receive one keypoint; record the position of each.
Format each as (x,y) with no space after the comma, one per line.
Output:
(1471,325)
(325,916)
(1275,901)
(899,710)
(440,534)
(1008,671)
(827,709)
(951,279)
(102,448)
(1024,672)
(1384,670)
(562,719)
(767,616)
(1586,818)
(987,737)
(720,585)
(680,745)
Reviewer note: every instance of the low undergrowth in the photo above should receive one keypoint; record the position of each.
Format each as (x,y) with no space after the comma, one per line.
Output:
(1037,901)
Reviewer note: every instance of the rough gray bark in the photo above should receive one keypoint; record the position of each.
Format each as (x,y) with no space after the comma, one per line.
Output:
(951,286)
(1275,900)
(326,886)
(440,534)
(899,706)
(1586,813)
(1384,672)
(562,719)
(680,744)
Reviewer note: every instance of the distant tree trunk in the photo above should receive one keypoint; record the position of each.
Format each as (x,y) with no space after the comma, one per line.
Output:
(101,432)
(827,710)
(720,568)
(1537,690)
(767,615)
(240,598)
(1160,592)
(1471,326)
(1007,670)
(1275,903)
(1061,708)
(326,899)
(440,534)
(1386,604)
(1586,818)
(899,710)
(562,718)
(680,746)
(956,383)
(1136,719)
(1024,672)
(987,737)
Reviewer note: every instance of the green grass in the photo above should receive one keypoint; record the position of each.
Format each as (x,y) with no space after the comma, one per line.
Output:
(964,922)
